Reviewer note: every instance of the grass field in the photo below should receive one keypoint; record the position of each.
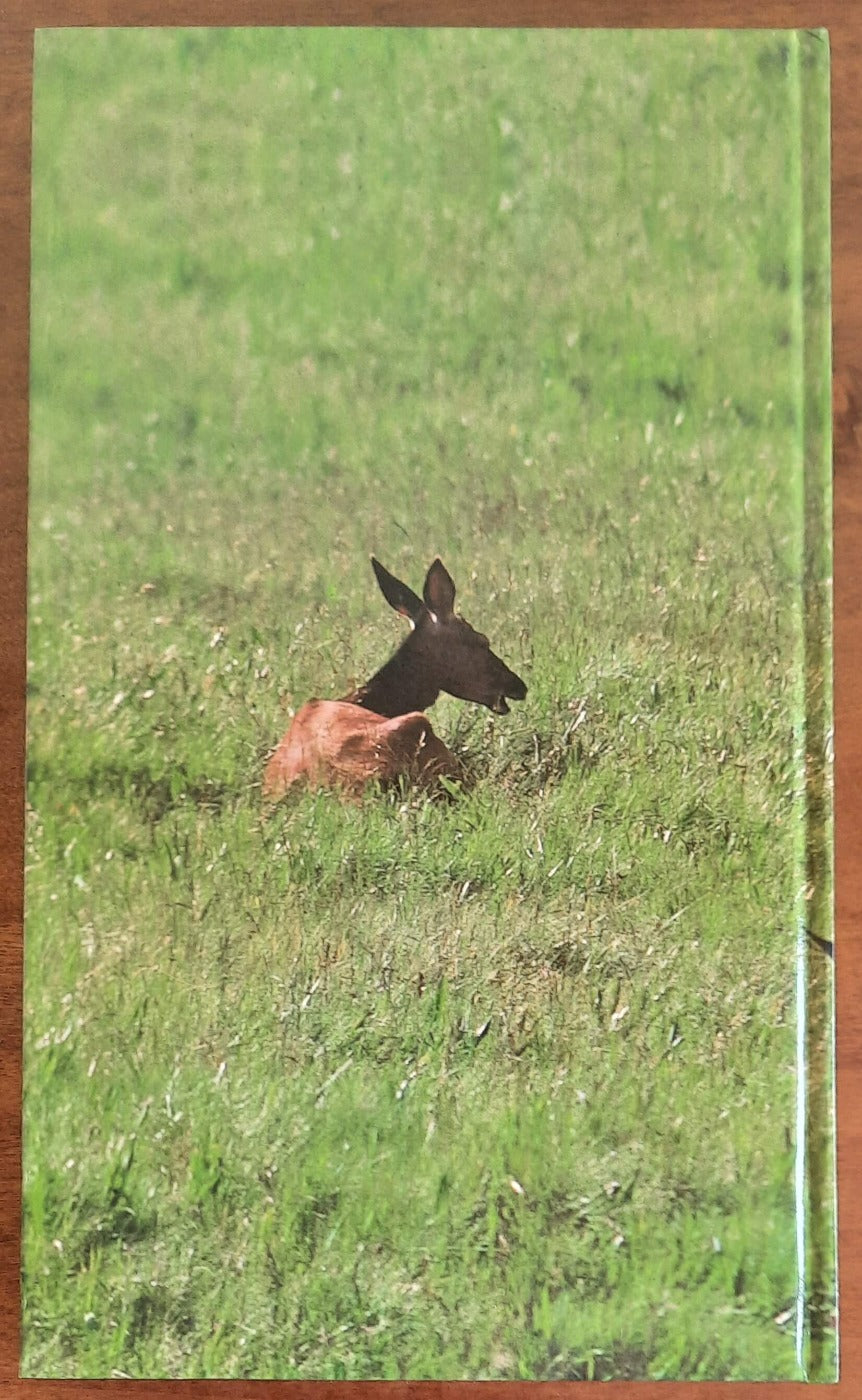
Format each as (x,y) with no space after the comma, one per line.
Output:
(503,1086)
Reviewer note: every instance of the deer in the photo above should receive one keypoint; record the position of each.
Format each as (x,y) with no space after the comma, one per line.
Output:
(379,732)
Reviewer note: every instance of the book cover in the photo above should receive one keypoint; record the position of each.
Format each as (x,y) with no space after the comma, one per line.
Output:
(428,958)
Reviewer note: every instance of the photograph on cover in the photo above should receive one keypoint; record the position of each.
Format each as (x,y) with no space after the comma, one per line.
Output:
(428,889)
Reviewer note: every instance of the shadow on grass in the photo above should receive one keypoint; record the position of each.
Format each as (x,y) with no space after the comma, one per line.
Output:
(154,794)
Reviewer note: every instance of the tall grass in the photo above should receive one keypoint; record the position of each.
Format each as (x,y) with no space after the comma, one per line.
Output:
(496,1087)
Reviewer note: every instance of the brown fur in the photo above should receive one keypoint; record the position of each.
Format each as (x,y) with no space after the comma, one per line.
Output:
(332,743)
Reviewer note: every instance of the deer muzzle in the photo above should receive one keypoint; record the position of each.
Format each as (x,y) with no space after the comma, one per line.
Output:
(515,690)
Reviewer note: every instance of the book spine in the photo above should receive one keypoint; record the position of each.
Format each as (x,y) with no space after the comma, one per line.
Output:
(816,1322)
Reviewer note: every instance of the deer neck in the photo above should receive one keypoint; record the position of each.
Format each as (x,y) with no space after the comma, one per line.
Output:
(397,688)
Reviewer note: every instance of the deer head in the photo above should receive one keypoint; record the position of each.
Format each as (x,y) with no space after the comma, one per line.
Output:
(442,653)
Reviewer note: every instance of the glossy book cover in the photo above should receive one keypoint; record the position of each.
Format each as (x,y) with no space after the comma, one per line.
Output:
(428,959)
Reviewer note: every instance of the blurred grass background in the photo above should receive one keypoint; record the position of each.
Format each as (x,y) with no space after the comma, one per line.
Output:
(497,1088)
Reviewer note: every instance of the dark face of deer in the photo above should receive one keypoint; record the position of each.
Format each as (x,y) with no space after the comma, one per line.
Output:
(449,654)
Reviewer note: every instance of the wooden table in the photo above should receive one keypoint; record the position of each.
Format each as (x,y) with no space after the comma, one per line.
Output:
(844,20)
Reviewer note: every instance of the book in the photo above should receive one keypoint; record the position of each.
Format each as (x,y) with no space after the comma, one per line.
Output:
(429,966)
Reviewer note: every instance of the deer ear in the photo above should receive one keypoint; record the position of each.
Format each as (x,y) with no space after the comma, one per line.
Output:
(439,590)
(397,594)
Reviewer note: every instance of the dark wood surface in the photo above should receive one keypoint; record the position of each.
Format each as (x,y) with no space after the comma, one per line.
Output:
(843,18)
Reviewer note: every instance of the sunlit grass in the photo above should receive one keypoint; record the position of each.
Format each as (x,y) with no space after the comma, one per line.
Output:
(496,1087)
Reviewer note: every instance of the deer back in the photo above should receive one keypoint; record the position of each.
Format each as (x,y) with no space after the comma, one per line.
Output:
(335,744)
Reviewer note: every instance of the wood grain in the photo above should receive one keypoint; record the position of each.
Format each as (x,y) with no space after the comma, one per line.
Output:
(844,21)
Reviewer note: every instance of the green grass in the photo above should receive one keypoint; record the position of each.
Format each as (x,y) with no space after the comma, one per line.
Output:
(497,1087)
